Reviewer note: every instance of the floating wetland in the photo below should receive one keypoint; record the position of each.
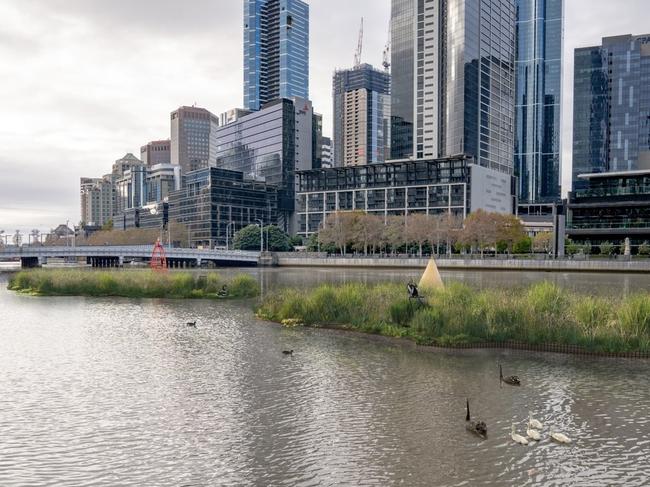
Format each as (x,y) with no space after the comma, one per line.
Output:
(133,284)
(542,317)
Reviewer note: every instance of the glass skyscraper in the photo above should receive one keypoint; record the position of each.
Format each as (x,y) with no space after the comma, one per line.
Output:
(361,116)
(538,99)
(276,51)
(402,76)
(270,145)
(453,80)
(612,106)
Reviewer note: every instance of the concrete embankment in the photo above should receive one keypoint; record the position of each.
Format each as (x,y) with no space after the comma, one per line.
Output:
(549,265)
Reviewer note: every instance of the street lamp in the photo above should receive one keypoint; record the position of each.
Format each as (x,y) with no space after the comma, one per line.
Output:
(261,234)
(228,234)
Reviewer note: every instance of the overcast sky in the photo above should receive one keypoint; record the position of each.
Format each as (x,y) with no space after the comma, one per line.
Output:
(83,82)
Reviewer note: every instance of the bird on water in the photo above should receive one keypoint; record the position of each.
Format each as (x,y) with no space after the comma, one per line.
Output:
(533,423)
(191,324)
(287,352)
(479,428)
(560,438)
(516,437)
(511,380)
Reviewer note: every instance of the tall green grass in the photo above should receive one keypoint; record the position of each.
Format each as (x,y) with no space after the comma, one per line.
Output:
(131,284)
(541,314)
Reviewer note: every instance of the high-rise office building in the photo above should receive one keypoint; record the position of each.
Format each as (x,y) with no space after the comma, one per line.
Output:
(271,145)
(193,141)
(538,68)
(156,152)
(276,51)
(611,112)
(452,85)
(361,116)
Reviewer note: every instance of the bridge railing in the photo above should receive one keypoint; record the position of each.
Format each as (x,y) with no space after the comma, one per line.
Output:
(124,251)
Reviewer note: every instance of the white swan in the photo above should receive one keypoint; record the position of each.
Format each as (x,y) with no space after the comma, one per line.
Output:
(517,438)
(560,438)
(533,423)
(533,434)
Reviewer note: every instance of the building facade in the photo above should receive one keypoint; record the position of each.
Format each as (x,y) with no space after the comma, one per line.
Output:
(361,116)
(156,152)
(538,67)
(142,186)
(453,186)
(453,82)
(611,207)
(193,138)
(271,145)
(276,51)
(215,203)
(97,200)
(231,116)
(611,114)
(326,153)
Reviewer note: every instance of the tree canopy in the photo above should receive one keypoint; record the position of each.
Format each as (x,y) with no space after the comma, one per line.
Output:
(248,238)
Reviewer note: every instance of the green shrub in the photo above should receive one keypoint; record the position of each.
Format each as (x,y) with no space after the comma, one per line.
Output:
(401,312)
(243,286)
(606,248)
(129,284)
(644,249)
(634,316)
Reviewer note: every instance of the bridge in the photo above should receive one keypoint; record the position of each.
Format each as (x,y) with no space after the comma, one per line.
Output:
(118,256)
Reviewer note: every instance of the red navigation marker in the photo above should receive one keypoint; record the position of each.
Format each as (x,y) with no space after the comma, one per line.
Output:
(158,258)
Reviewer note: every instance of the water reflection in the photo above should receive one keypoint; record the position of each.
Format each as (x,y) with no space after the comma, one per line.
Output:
(591,283)
(122,392)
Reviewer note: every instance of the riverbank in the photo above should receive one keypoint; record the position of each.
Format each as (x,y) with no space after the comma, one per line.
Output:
(133,284)
(454,264)
(541,317)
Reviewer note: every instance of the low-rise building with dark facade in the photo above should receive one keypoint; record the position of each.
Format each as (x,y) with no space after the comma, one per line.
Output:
(215,203)
(454,185)
(610,207)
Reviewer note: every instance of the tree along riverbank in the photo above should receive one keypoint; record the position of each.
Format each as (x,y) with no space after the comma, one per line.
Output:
(133,284)
(540,317)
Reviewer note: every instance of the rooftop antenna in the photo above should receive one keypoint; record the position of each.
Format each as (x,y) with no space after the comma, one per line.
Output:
(357,55)
(387,49)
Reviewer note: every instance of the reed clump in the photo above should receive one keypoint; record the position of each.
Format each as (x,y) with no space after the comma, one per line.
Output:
(133,284)
(541,314)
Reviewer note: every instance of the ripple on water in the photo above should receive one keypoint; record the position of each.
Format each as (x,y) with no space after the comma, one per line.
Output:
(117,392)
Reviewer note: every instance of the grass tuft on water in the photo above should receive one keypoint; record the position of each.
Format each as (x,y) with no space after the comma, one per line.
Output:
(541,314)
(132,284)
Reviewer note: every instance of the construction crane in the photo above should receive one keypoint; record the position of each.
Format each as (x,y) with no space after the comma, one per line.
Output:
(357,55)
(387,49)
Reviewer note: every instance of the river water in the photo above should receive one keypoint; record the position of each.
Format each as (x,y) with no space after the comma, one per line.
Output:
(121,392)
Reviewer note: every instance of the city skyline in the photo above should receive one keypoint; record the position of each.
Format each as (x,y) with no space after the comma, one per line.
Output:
(84,85)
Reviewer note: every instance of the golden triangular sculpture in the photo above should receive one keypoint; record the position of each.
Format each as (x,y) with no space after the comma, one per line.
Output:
(431,278)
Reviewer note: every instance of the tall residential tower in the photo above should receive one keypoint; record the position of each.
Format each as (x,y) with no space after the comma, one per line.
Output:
(538,78)
(361,116)
(276,51)
(453,82)
(611,111)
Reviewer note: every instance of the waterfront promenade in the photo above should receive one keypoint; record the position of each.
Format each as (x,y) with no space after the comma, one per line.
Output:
(503,263)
